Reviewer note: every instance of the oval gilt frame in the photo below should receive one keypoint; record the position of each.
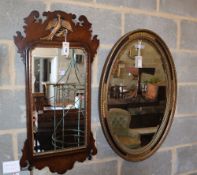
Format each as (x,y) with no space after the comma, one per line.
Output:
(168,64)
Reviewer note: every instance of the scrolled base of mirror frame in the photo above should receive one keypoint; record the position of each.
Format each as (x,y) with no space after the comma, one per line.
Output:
(62,163)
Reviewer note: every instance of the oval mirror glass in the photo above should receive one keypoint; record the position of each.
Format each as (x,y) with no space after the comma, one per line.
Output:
(137,94)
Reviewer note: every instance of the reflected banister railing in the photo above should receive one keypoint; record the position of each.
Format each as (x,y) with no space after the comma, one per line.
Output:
(61,97)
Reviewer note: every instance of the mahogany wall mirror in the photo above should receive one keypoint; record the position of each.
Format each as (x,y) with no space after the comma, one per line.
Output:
(137,95)
(58,89)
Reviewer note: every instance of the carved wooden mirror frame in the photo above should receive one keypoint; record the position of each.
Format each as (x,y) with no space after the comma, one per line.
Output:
(79,34)
(141,152)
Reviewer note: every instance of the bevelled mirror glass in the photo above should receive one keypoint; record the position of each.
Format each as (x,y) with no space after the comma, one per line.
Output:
(137,94)
(57,51)
(59,99)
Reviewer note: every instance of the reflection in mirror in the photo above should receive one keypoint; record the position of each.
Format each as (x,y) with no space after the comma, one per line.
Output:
(137,98)
(59,99)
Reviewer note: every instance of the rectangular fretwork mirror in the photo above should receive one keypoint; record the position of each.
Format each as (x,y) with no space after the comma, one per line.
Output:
(58,88)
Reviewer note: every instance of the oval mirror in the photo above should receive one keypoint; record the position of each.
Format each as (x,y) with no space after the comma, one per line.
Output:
(137,95)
